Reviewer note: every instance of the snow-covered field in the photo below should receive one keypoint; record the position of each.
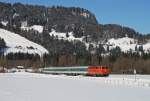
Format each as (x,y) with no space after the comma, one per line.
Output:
(42,87)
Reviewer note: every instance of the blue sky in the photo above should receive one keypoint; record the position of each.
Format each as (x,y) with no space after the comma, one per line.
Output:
(131,13)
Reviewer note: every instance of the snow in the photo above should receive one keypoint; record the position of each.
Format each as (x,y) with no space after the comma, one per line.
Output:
(124,43)
(127,44)
(146,46)
(86,15)
(64,36)
(4,23)
(15,15)
(143,77)
(17,43)
(38,28)
(41,87)
(24,24)
(70,38)
(132,80)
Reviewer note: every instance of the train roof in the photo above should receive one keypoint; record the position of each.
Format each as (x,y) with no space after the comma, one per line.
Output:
(71,67)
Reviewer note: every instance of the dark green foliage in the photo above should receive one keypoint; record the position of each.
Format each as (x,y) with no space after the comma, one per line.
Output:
(141,49)
(2,46)
(22,56)
(115,53)
(2,43)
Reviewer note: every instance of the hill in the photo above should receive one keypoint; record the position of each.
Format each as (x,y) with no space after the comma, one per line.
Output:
(72,36)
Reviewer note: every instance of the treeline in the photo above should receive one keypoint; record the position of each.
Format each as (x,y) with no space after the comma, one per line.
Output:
(11,60)
(117,62)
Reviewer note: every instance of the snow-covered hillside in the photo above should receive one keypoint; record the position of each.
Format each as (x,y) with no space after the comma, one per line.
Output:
(17,43)
(64,36)
(40,87)
(127,44)
(146,46)
(38,28)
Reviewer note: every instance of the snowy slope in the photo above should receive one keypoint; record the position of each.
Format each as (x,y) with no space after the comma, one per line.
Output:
(146,46)
(64,36)
(17,43)
(40,87)
(38,28)
(125,43)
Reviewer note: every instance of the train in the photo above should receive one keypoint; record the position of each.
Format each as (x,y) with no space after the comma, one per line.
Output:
(78,70)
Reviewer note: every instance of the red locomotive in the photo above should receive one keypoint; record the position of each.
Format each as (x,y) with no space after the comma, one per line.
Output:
(98,71)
